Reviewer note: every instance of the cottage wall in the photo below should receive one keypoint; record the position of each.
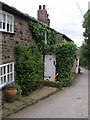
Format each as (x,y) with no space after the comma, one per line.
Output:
(59,38)
(22,35)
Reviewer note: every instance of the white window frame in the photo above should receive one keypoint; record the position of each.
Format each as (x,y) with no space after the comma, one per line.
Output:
(6,78)
(7,22)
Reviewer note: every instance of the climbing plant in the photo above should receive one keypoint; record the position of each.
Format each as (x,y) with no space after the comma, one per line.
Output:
(65,51)
(29,59)
(39,31)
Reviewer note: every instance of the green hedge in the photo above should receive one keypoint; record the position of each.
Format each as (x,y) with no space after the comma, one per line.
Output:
(29,68)
(65,56)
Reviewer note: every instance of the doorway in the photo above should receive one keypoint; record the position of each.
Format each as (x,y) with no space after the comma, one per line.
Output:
(49,67)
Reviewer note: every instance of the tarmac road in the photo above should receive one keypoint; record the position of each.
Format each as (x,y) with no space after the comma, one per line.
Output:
(71,102)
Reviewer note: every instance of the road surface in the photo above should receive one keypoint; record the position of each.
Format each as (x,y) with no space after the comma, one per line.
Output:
(71,102)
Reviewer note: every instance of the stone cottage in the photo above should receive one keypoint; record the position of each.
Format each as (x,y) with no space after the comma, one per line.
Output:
(14,30)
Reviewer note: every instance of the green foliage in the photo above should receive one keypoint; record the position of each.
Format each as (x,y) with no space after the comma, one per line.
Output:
(65,52)
(65,56)
(14,86)
(50,48)
(19,90)
(38,32)
(86,34)
(29,59)
(11,86)
(83,55)
(86,25)
(29,68)
(52,84)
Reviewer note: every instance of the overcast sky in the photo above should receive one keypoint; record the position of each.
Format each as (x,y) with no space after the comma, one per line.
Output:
(65,16)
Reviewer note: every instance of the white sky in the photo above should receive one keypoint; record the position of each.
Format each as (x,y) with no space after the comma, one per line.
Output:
(65,16)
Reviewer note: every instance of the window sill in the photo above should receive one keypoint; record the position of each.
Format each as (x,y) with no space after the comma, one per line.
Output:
(7,32)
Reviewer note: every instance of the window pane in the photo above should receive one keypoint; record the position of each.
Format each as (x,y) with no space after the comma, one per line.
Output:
(8,19)
(0,17)
(4,17)
(3,70)
(0,71)
(8,27)
(0,24)
(10,67)
(9,77)
(3,25)
(2,79)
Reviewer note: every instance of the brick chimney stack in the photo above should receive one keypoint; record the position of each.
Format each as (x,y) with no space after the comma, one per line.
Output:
(42,15)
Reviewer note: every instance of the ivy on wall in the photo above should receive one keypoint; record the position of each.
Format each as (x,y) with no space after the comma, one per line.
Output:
(38,31)
(65,51)
(29,60)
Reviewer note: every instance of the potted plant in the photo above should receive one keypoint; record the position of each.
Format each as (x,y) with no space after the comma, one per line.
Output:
(10,92)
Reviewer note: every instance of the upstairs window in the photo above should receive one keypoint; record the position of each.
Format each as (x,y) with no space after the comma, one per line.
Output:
(6,22)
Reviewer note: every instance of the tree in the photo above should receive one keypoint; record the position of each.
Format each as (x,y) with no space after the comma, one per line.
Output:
(86,34)
(83,55)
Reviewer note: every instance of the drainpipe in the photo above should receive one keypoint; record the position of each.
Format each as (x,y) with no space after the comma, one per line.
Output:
(45,37)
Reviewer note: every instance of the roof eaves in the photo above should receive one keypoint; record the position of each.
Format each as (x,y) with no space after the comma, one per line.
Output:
(67,38)
(13,10)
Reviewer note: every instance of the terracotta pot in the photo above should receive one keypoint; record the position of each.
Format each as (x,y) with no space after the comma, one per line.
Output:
(10,95)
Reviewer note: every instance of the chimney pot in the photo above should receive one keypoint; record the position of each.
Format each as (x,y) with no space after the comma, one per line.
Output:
(40,7)
(44,6)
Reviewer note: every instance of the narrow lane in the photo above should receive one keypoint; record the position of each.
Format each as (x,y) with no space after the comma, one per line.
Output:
(71,102)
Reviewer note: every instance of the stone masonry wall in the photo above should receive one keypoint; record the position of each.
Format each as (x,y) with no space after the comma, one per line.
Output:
(22,36)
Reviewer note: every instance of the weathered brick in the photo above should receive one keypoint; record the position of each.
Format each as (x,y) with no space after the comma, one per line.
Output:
(22,36)
(42,15)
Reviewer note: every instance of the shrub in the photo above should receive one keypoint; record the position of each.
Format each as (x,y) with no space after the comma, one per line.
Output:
(65,56)
(29,68)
